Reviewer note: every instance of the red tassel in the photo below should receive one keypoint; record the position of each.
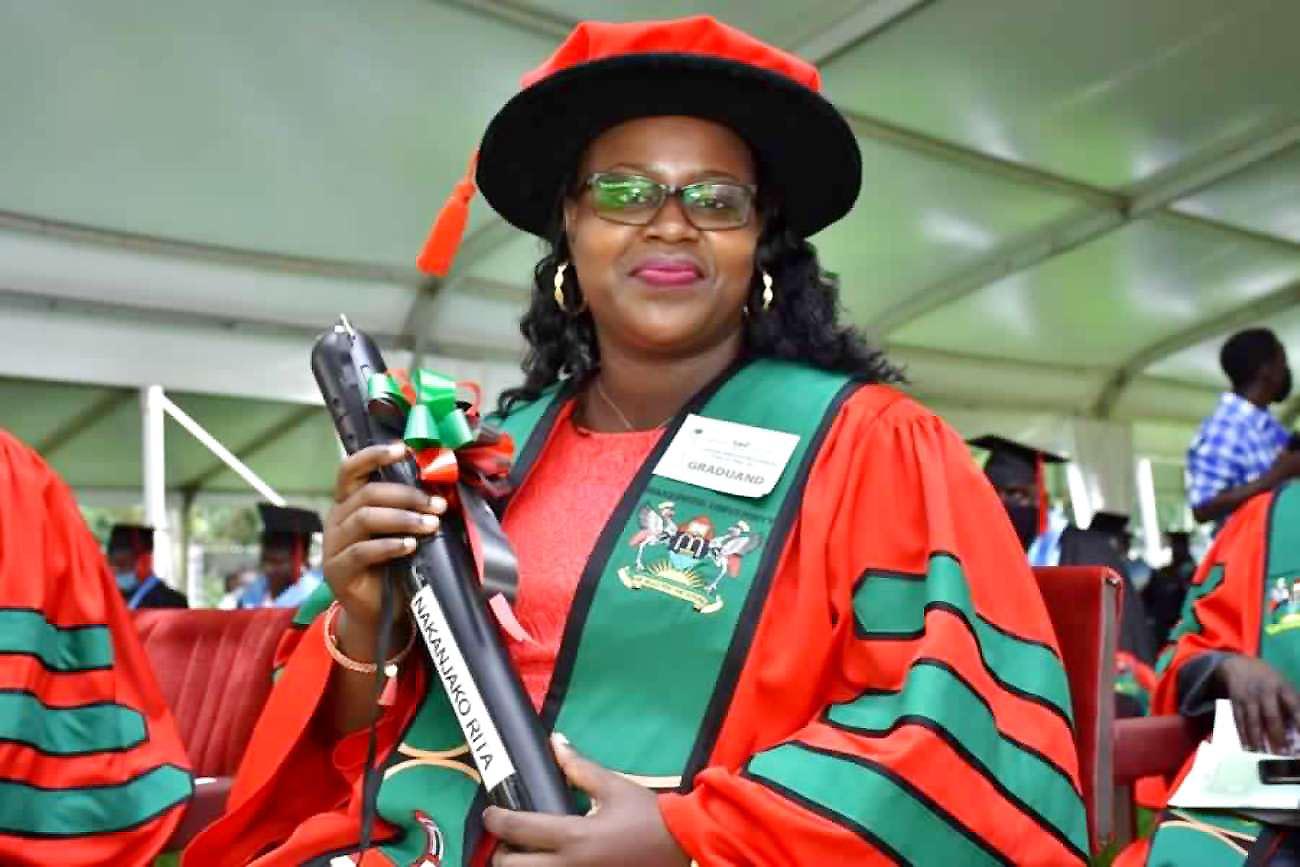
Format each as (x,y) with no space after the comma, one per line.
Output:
(449,228)
(1040,484)
(143,557)
(298,557)
(389,695)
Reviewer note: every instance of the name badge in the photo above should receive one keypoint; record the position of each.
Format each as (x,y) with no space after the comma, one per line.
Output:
(728,457)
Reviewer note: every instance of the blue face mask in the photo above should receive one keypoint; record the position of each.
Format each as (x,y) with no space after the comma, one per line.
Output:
(126,581)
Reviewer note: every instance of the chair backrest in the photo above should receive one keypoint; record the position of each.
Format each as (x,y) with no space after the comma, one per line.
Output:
(1083,603)
(214,669)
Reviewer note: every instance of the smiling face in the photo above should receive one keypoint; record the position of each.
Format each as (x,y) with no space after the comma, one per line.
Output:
(665,289)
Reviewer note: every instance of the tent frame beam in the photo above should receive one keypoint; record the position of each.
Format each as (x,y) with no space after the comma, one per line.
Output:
(273,433)
(231,323)
(84,420)
(534,19)
(854,28)
(211,443)
(1101,211)
(1260,308)
(157,245)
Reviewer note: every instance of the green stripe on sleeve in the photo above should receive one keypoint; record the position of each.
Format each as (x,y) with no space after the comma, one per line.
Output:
(1187,621)
(873,803)
(935,697)
(69,731)
(888,605)
(79,648)
(1162,661)
(30,811)
(314,605)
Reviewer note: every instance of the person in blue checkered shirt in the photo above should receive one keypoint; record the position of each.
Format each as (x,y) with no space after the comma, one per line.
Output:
(1241,449)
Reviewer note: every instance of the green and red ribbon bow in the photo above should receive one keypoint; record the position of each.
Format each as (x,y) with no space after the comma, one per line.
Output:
(444,433)
(463,461)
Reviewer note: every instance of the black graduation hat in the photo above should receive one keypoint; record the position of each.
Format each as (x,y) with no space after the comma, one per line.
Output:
(1112,523)
(136,538)
(1010,462)
(284,523)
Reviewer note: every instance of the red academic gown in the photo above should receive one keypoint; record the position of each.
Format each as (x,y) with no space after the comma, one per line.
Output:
(902,699)
(1228,609)
(1223,609)
(92,770)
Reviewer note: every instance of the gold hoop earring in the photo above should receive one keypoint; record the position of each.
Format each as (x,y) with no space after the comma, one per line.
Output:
(559,291)
(559,284)
(767,290)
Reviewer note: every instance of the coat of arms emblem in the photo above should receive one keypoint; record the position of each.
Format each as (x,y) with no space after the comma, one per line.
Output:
(1283,606)
(693,558)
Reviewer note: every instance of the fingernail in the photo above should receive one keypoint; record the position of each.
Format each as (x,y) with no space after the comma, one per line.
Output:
(430,522)
(560,740)
(408,544)
(438,504)
(397,449)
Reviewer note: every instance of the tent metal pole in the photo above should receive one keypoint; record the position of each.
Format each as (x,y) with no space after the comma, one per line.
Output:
(155,477)
(213,445)
(81,422)
(1258,310)
(282,428)
(855,28)
(190,577)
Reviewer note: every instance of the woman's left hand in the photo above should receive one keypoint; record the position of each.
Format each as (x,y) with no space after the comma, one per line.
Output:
(624,826)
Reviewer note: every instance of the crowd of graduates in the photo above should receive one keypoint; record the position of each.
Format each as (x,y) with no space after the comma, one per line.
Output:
(1193,633)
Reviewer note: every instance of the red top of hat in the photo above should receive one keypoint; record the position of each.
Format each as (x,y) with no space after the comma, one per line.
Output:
(598,40)
(700,34)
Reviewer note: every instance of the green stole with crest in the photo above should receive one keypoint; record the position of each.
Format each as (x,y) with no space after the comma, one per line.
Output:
(661,623)
(1209,838)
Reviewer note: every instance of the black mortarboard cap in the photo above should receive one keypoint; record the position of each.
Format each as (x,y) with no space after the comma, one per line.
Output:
(1112,523)
(283,523)
(1010,462)
(131,537)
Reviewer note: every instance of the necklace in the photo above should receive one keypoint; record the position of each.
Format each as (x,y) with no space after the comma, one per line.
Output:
(600,389)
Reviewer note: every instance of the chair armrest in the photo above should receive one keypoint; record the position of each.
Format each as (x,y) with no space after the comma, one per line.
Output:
(1154,745)
(207,805)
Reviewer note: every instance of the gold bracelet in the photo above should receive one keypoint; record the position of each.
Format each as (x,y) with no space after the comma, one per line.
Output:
(332,647)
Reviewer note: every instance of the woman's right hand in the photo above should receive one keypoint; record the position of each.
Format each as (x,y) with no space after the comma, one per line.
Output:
(370,524)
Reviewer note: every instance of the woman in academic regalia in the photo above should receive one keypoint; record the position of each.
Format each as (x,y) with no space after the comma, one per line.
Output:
(1237,639)
(875,681)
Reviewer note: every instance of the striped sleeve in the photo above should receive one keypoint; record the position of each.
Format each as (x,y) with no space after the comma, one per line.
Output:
(1224,605)
(945,736)
(311,608)
(92,769)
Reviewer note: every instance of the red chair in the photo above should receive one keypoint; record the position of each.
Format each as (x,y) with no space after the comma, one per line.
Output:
(214,670)
(1154,746)
(1083,603)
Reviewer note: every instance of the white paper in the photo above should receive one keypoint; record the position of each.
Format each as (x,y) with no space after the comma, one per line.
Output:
(485,743)
(725,456)
(1226,777)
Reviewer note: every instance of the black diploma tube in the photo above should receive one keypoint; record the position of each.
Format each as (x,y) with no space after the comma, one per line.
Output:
(504,733)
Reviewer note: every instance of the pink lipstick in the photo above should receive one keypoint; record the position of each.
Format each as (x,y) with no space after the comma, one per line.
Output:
(668,271)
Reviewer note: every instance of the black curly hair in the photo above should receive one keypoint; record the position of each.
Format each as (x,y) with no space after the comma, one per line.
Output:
(801,324)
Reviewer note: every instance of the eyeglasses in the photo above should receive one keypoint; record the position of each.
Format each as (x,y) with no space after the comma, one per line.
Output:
(634,200)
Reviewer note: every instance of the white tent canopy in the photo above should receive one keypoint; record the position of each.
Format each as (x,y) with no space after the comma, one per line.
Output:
(1067,206)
